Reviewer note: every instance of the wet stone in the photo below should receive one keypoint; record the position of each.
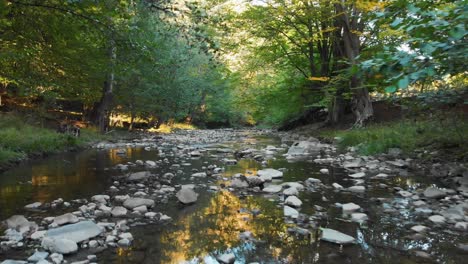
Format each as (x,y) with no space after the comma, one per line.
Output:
(337,237)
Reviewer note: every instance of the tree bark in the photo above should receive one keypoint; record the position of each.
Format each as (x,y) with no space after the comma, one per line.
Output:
(361,103)
(102,112)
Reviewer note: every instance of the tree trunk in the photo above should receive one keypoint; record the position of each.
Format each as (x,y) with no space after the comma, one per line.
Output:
(361,103)
(101,118)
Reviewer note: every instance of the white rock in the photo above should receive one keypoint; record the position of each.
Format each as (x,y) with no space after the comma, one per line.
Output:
(227,258)
(437,219)
(324,171)
(461,226)
(67,218)
(56,258)
(419,228)
(357,175)
(337,237)
(432,192)
(38,235)
(359,217)
(59,245)
(357,189)
(75,232)
(37,256)
(290,212)
(337,186)
(199,175)
(272,188)
(133,202)
(124,242)
(119,211)
(33,205)
(350,207)
(293,201)
(291,191)
(101,198)
(141,209)
(186,196)
(274,174)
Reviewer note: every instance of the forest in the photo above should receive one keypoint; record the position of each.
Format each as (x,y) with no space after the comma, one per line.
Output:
(350,86)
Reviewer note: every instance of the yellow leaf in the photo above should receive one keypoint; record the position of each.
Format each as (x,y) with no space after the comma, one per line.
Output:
(320,79)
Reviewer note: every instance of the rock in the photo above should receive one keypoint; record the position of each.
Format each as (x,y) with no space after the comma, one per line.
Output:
(187,196)
(293,201)
(432,192)
(296,185)
(37,256)
(75,232)
(141,209)
(121,198)
(195,153)
(67,218)
(59,245)
(274,174)
(419,228)
(33,205)
(199,175)
(352,164)
(357,189)
(290,212)
(119,211)
(324,171)
(272,188)
(461,226)
(437,219)
(93,244)
(291,191)
(150,163)
(337,186)
(124,242)
(12,261)
(20,224)
(313,181)
(229,161)
(359,217)
(56,258)
(405,194)
(100,198)
(227,258)
(300,148)
(38,235)
(357,175)
(133,202)
(380,176)
(337,237)
(350,207)
(238,183)
(254,181)
(139,176)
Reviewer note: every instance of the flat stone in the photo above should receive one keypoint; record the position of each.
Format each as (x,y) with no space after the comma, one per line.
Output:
(405,194)
(13,261)
(199,175)
(437,219)
(187,196)
(133,202)
(357,189)
(293,201)
(59,245)
(139,176)
(33,205)
(419,228)
(350,207)
(238,183)
(337,237)
(357,175)
(274,174)
(67,218)
(272,188)
(37,256)
(227,258)
(119,211)
(461,226)
(359,217)
(290,212)
(432,192)
(100,198)
(324,171)
(290,191)
(75,232)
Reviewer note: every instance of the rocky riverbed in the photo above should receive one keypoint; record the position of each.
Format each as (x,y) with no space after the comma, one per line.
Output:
(233,196)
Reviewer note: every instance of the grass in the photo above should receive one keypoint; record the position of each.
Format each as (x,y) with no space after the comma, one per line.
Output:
(19,139)
(448,133)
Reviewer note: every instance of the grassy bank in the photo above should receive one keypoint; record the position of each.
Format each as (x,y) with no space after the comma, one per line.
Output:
(446,134)
(20,140)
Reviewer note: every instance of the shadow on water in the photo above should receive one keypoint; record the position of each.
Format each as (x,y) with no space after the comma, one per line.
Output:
(200,232)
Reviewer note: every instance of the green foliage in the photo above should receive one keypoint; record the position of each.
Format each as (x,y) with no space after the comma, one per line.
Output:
(428,43)
(408,135)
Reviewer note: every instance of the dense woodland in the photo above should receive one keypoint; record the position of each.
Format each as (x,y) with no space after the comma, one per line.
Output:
(229,62)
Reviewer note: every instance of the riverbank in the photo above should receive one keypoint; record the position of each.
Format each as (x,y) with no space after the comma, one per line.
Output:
(21,139)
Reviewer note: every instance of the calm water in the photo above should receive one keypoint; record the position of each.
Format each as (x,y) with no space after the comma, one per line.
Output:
(200,232)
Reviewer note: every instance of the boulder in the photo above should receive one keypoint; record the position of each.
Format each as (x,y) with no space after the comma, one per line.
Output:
(133,202)
(350,207)
(290,191)
(337,237)
(59,245)
(272,188)
(270,173)
(67,218)
(238,183)
(75,232)
(359,217)
(227,258)
(437,219)
(38,256)
(187,196)
(293,201)
(119,211)
(254,181)
(357,175)
(357,189)
(101,198)
(33,205)
(300,148)
(432,192)
(290,212)
(21,224)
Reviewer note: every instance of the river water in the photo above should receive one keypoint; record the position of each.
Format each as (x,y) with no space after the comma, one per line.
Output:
(200,232)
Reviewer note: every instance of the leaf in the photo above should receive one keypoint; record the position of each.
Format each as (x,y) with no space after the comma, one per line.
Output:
(403,83)
(391,89)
